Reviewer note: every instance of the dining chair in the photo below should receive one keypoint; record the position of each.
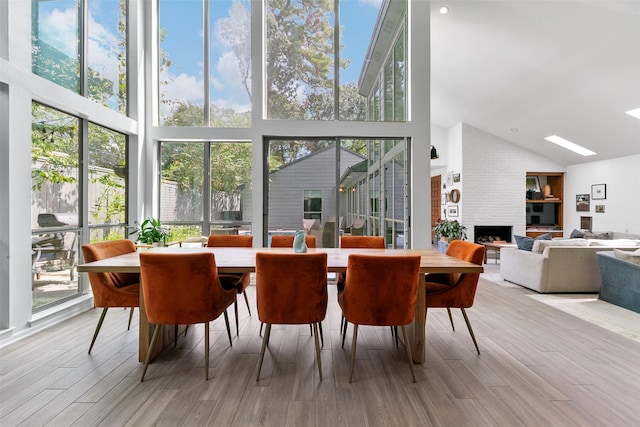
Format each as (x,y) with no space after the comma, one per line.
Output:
(285,241)
(291,288)
(371,242)
(238,281)
(380,290)
(183,289)
(456,290)
(111,289)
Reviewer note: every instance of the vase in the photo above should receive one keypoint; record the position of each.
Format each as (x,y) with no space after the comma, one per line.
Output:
(546,190)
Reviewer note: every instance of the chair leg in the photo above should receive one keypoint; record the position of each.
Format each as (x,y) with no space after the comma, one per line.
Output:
(265,340)
(321,334)
(154,338)
(261,325)
(473,337)
(394,333)
(175,335)
(353,350)
(344,332)
(206,351)
(315,336)
(186,328)
(407,346)
(246,300)
(130,317)
(226,322)
(95,334)
(235,309)
(451,318)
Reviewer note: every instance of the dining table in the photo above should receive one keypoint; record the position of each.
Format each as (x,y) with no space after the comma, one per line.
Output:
(243,260)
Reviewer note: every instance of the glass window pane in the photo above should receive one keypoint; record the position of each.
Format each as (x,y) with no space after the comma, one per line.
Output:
(399,80)
(230,67)
(299,63)
(107,53)
(230,185)
(388,90)
(55,205)
(181,187)
(108,176)
(55,36)
(181,61)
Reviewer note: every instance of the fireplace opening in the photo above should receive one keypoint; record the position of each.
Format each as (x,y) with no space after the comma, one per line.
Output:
(491,233)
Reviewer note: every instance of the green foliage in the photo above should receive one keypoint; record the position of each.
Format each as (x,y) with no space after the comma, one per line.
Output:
(150,231)
(450,230)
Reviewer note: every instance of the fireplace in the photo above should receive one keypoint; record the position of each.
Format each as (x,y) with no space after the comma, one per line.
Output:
(490,233)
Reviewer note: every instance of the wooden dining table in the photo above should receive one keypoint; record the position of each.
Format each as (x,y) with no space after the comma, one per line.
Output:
(243,260)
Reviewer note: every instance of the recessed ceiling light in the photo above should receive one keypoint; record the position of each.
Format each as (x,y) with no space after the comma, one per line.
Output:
(635,113)
(444,10)
(569,145)
(514,129)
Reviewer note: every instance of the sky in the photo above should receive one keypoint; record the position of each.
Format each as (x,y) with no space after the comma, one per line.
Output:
(182,20)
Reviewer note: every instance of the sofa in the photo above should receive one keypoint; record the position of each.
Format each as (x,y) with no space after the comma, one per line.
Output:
(561,265)
(620,279)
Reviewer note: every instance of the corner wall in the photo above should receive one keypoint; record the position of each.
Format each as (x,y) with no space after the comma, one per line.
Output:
(622,205)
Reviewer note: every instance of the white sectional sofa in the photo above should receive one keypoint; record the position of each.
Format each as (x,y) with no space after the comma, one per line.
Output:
(561,266)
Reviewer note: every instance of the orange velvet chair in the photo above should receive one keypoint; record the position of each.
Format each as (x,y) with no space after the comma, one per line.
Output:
(280,241)
(291,289)
(380,290)
(371,242)
(238,281)
(456,290)
(183,289)
(111,289)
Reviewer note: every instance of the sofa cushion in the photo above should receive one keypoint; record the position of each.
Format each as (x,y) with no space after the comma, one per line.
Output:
(633,257)
(540,245)
(525,243)
(613,243)
(602,235)
(576,234)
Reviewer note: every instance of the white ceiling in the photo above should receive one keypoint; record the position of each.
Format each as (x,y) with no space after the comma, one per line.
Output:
(570,68)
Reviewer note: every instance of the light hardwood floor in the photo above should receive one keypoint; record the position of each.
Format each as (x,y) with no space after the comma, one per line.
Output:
(539,367)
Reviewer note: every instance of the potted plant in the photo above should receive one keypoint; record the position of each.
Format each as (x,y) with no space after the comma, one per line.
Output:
(151,232)
(447,230)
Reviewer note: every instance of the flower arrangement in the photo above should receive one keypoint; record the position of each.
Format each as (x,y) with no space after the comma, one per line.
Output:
(151,231)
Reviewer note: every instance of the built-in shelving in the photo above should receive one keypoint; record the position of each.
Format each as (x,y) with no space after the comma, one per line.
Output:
(545,215)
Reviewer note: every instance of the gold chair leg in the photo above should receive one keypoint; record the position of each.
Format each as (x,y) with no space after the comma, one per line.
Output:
(473,337)
(265,340)
(451,318)
(353,350)
(95,334)
(206,351)
(315,336)
(226,322)
(408,349)
(130,317)
(246,300)
(154,338)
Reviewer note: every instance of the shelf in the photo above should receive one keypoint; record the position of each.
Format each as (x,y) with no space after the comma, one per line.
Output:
(544,201)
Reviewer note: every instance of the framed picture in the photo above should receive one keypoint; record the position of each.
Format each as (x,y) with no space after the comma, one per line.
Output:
(599,208)
(599,191)
(452,210)
(533,184)
(585,223)
(582,203)
(456,177)
(449,178)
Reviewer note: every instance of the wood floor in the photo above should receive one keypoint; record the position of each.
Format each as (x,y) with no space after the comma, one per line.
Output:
(538,367)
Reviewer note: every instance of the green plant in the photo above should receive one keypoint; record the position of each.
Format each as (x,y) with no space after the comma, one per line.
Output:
(450,230)
(151,231)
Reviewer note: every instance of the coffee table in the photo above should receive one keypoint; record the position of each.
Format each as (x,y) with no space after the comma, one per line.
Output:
(495,247)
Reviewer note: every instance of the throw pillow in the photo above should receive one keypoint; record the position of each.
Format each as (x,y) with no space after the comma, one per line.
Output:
(576,234)
(633,257)
(601,235)
(525,243)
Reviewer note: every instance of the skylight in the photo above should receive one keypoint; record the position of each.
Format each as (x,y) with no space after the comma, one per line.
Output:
(570,145)
(634,113)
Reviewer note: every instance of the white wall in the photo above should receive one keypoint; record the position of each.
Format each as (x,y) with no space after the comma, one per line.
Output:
(622,205)
(493,180)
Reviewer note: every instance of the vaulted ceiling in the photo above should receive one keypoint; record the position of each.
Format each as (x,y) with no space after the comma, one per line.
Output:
(525,70)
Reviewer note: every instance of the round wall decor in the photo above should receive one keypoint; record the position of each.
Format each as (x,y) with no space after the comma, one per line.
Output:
(454,196)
